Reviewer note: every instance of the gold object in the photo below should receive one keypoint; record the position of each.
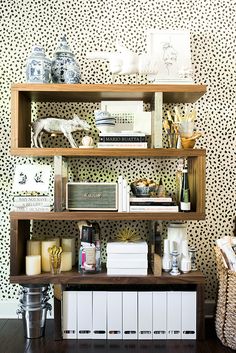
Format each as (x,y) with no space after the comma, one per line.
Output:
(128,235)
(55,259)
(189,142)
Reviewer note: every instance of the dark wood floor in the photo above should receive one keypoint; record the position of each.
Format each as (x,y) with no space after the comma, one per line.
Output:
(12,341)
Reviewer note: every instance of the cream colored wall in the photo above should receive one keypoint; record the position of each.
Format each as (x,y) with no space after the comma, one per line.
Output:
(91,25)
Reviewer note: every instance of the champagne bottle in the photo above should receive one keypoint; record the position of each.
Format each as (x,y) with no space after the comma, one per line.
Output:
(185,202)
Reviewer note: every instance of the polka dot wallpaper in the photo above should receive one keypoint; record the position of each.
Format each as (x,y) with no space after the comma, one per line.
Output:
(95,25)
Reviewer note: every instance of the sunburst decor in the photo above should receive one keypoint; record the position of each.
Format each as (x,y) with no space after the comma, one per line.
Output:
(128,235)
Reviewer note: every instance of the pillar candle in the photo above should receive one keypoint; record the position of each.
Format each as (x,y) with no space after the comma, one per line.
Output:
(45,244)
(66,261)
(33,247)
(33,265)
(57,240)
(68,244)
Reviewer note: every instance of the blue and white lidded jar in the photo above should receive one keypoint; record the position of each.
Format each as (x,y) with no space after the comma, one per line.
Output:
(38,67)
(64,66)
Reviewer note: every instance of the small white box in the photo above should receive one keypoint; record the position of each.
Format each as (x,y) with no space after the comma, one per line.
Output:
(117,247)
(189,315)
(159,315)
(124,257)
(130,320)
(174,313)
(69,315)
(99,315)
(127,271)
(144,315)
(85,314)
(127,264)
(114,315)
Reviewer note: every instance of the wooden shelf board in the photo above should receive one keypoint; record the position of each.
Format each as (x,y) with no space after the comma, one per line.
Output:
(102,278)
(108,152)
(97,92)
(113,216)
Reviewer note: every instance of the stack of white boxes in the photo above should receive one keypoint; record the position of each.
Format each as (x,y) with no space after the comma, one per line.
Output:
(127,258)
(129,315)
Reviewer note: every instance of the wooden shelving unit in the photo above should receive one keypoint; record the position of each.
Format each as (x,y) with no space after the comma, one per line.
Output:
(22,97)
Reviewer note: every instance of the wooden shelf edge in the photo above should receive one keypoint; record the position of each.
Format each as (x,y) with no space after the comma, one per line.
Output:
(97,215)
(102,278)
(108,152)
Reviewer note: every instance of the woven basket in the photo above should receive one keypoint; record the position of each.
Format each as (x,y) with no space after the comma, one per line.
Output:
(225,321)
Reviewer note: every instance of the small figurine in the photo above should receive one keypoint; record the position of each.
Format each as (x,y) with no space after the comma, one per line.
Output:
(192,252)
(57,126)
(87,142)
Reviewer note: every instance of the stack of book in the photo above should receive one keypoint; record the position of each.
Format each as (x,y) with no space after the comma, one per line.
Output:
(152,204)
(127,139)
(124,258)
(38,203)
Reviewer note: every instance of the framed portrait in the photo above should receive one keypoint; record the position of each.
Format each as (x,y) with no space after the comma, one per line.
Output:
(171,49)
(31,178)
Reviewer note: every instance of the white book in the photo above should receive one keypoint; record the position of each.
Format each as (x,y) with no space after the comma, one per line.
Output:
(127,271)
(154,208)
(119,247)
(31,204)
(120,193)
(127,198)
(32,198)
(150,199)
(122,106)
(32,209)
(124,257)
(127,263)
(124,195)
(123,133)
(122,144)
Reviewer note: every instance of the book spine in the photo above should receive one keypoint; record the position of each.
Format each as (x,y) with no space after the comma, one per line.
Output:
(150,199)
(124,195)
(143,204)
(31,204)
(120,193)
(122,139)
(122,144)
(32,199)
(154,209)
(32,209)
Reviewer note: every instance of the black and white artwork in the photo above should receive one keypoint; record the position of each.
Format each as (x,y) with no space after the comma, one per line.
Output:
(31,178)
(172,51)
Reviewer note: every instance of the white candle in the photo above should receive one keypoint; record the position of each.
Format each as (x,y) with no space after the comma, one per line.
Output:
(45,244)
(33,247)
(57,240)
(66,261)
(33,265)
(68,244)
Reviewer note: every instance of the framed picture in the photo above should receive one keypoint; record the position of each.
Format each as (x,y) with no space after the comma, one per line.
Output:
(172,51)
(31,178)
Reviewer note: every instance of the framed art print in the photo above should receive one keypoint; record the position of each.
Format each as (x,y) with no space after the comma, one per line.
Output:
(172,51)
(31,178)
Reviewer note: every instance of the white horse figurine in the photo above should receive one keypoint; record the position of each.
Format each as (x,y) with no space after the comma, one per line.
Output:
(57,126)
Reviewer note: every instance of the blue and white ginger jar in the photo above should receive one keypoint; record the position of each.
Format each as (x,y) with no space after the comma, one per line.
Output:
(38,67)
(64,66)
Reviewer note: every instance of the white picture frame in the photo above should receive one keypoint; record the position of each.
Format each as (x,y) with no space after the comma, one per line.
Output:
(31,178)
(172,51)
